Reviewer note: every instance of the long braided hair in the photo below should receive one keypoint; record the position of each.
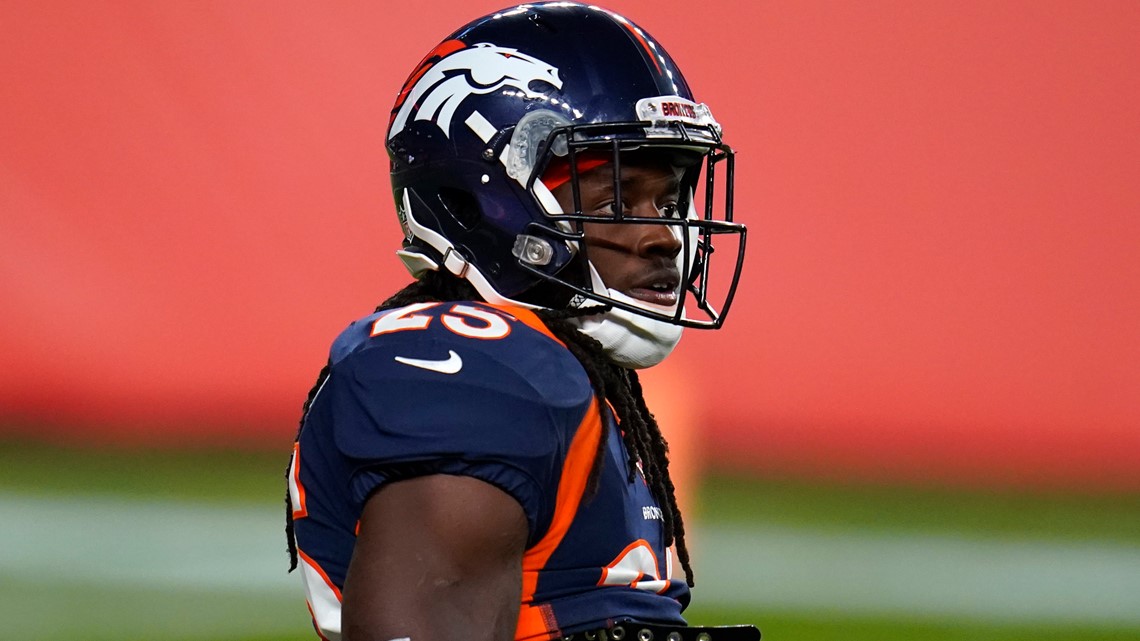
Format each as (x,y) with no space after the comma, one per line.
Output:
(619,386)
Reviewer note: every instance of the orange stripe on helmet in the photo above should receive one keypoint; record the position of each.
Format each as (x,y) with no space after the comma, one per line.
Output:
(639,35)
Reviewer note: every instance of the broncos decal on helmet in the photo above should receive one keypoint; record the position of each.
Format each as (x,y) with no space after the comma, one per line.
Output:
(437,90)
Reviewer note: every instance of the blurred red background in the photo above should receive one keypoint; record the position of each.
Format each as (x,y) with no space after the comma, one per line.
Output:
(943,198)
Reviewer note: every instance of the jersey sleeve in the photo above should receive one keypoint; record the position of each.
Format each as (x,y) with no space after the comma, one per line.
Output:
(432,401)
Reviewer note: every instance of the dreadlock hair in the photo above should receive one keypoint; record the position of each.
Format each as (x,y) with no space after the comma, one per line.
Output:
(621,387)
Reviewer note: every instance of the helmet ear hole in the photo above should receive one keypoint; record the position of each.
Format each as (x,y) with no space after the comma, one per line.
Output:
(462,206)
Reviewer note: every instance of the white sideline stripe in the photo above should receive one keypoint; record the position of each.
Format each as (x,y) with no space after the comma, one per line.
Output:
(112,541)
(925,575)
(144,543)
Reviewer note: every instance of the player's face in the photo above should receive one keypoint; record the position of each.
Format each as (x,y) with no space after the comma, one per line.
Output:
(637,260)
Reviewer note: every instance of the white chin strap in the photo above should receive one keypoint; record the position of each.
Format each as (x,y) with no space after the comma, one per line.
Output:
(630,340)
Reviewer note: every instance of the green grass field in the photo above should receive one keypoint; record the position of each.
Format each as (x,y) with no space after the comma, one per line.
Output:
(83,504)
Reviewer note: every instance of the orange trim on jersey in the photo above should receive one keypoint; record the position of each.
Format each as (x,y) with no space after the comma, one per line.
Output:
(656,576)
(303,511)
(536,621)
(406,313)
(613,412)
(528,318)
(629,548)
(316,628)
(455,321)
(321,571)
(657,567)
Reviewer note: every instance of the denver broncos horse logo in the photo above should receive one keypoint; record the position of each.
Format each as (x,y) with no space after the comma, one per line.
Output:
(436,90)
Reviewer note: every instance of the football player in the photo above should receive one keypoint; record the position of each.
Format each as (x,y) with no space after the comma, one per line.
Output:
(477,461)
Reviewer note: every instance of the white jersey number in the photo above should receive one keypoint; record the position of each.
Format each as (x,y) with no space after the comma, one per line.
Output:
(636,567)
(465,320)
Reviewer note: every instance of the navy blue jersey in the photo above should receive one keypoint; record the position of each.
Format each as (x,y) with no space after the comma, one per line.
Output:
(488,392)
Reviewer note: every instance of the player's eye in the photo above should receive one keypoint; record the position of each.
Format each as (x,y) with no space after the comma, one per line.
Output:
(607,209)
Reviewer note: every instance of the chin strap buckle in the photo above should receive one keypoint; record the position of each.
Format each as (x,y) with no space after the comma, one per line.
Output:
(455,263)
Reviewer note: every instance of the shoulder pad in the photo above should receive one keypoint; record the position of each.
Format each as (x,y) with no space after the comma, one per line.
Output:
(436,378)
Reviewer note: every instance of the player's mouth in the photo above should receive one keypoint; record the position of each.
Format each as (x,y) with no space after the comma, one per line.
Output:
(658,288)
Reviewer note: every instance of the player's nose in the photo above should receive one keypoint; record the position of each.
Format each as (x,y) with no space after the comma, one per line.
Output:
(655,239)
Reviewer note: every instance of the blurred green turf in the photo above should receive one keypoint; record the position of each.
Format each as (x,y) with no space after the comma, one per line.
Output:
(243,477)
(197,475)
(89,612)
(93,613)
(968,513)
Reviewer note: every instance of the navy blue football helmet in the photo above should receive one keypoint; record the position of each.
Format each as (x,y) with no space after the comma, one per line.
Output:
(513,94)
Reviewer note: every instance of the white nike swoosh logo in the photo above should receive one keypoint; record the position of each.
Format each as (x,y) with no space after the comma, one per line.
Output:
(449,365)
